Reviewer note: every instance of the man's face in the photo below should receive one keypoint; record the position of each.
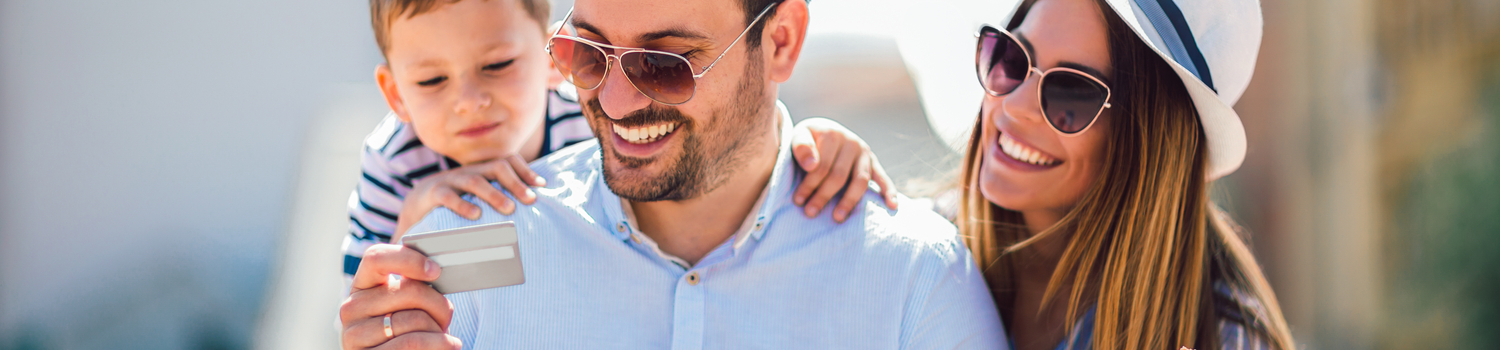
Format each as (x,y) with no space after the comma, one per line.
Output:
(698,143)
(471,76)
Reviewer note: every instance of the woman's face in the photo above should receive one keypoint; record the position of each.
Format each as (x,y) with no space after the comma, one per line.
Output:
(1058,33)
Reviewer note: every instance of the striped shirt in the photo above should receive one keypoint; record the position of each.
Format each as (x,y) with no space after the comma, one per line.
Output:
(394,158)
(1237,329)
(885,279)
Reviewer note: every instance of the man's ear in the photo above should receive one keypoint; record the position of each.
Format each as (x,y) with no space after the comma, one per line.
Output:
(783,38)
(387,83)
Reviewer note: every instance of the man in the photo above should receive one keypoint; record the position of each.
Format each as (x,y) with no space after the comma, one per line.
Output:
(678,228)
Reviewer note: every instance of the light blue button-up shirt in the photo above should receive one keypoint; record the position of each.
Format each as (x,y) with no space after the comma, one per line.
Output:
(886,279)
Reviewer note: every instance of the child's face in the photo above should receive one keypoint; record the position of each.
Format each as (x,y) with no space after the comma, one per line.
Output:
(471,77)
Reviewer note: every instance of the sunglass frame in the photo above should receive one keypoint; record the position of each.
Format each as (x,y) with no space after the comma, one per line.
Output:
(1042,78)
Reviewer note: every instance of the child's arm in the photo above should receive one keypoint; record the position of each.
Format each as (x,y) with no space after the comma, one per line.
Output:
(446,189)
(834,156)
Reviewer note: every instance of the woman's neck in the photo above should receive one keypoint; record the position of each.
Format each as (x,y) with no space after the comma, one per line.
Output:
(1031,326)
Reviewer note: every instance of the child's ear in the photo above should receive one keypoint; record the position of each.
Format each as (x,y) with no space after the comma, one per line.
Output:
(554,77)
(387,82)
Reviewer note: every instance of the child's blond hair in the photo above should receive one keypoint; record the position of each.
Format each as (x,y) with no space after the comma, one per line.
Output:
(385,12)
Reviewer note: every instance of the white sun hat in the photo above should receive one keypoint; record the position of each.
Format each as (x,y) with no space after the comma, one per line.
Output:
(1211,44)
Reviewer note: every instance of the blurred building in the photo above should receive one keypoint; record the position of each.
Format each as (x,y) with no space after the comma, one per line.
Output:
(1370,184)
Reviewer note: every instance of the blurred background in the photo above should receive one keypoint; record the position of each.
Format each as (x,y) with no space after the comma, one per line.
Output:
(174,174)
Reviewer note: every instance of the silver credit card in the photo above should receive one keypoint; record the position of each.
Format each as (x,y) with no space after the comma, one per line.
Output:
(473,258)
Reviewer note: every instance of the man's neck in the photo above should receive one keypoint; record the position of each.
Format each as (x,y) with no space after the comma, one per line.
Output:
(691,228)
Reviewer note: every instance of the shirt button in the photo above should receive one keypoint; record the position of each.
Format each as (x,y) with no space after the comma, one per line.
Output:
(620,227)
(636,238)
(757,225)
(692,278)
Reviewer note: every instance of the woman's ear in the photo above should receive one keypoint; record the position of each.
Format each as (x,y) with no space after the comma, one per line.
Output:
(387,83)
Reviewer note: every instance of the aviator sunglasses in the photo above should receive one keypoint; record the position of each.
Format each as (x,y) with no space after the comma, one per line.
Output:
(664,77)
(1070,99)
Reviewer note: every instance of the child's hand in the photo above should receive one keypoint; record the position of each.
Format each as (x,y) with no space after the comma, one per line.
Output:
(834,156)
(446,189)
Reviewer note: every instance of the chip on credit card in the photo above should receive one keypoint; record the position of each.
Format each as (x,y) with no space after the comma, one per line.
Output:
(472,258)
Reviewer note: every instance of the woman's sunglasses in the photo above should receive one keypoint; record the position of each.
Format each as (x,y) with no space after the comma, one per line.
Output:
(1071,99)
(664,77)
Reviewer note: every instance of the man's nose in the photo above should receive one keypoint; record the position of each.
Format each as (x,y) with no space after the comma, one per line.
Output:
(618,98)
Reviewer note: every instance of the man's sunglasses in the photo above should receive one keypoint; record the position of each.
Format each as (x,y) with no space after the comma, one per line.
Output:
(663,76)
(1071,99)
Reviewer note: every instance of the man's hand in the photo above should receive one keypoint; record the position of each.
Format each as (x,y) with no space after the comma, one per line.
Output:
(446,189)
(834,156)
(419,314)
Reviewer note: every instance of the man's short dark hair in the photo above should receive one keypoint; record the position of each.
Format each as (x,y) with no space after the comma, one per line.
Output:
(752,8)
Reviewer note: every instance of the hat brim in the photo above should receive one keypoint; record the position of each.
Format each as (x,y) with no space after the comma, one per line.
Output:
(938,48)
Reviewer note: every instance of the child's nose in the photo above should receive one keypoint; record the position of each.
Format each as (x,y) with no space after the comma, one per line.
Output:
(471,99)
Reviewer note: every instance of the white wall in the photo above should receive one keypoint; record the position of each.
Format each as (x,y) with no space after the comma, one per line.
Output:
(147,154)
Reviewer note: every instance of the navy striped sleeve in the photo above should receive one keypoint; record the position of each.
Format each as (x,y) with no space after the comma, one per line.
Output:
(392,159)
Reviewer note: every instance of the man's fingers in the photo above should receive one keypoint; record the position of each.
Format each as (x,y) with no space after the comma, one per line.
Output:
(838,175)
(382,260)
(888,189)
(404,295)
(524,171)
(371,331)
(859,182)
(422,341)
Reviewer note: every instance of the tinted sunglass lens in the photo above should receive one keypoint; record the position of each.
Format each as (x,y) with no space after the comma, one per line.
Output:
(1001,61)
(1071,101)
(580,63)
(665,78)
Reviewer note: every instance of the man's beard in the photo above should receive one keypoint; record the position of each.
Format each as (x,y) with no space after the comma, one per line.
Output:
(708,156)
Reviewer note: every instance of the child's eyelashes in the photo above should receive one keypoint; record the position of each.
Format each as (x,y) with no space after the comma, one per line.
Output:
(499,65)
(433,81)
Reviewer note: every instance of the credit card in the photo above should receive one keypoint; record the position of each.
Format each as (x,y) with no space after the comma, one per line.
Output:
(472,258)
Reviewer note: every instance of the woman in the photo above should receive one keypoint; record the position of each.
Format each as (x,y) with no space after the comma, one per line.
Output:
(1086,178)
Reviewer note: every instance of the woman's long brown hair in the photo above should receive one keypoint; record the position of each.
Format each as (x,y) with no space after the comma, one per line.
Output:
(1145,243)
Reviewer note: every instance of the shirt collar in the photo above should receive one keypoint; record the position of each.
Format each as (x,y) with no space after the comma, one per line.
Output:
(777,192)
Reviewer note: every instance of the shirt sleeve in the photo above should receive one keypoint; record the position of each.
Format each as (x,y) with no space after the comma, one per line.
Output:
(375,201)
(952,307)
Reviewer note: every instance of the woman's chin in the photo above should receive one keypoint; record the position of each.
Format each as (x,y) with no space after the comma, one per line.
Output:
(1007,194)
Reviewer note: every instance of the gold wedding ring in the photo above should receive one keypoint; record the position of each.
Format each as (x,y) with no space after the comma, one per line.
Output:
(388,331)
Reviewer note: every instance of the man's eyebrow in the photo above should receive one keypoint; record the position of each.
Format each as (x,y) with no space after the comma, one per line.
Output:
(681,33)
(581,25)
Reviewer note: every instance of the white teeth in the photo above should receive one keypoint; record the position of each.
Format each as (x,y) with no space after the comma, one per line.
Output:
(1021,152)
(645,134)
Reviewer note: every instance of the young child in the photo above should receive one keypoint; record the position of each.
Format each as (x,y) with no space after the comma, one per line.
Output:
(471,98)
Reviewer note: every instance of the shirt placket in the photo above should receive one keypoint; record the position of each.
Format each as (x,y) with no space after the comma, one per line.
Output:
(691,296)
